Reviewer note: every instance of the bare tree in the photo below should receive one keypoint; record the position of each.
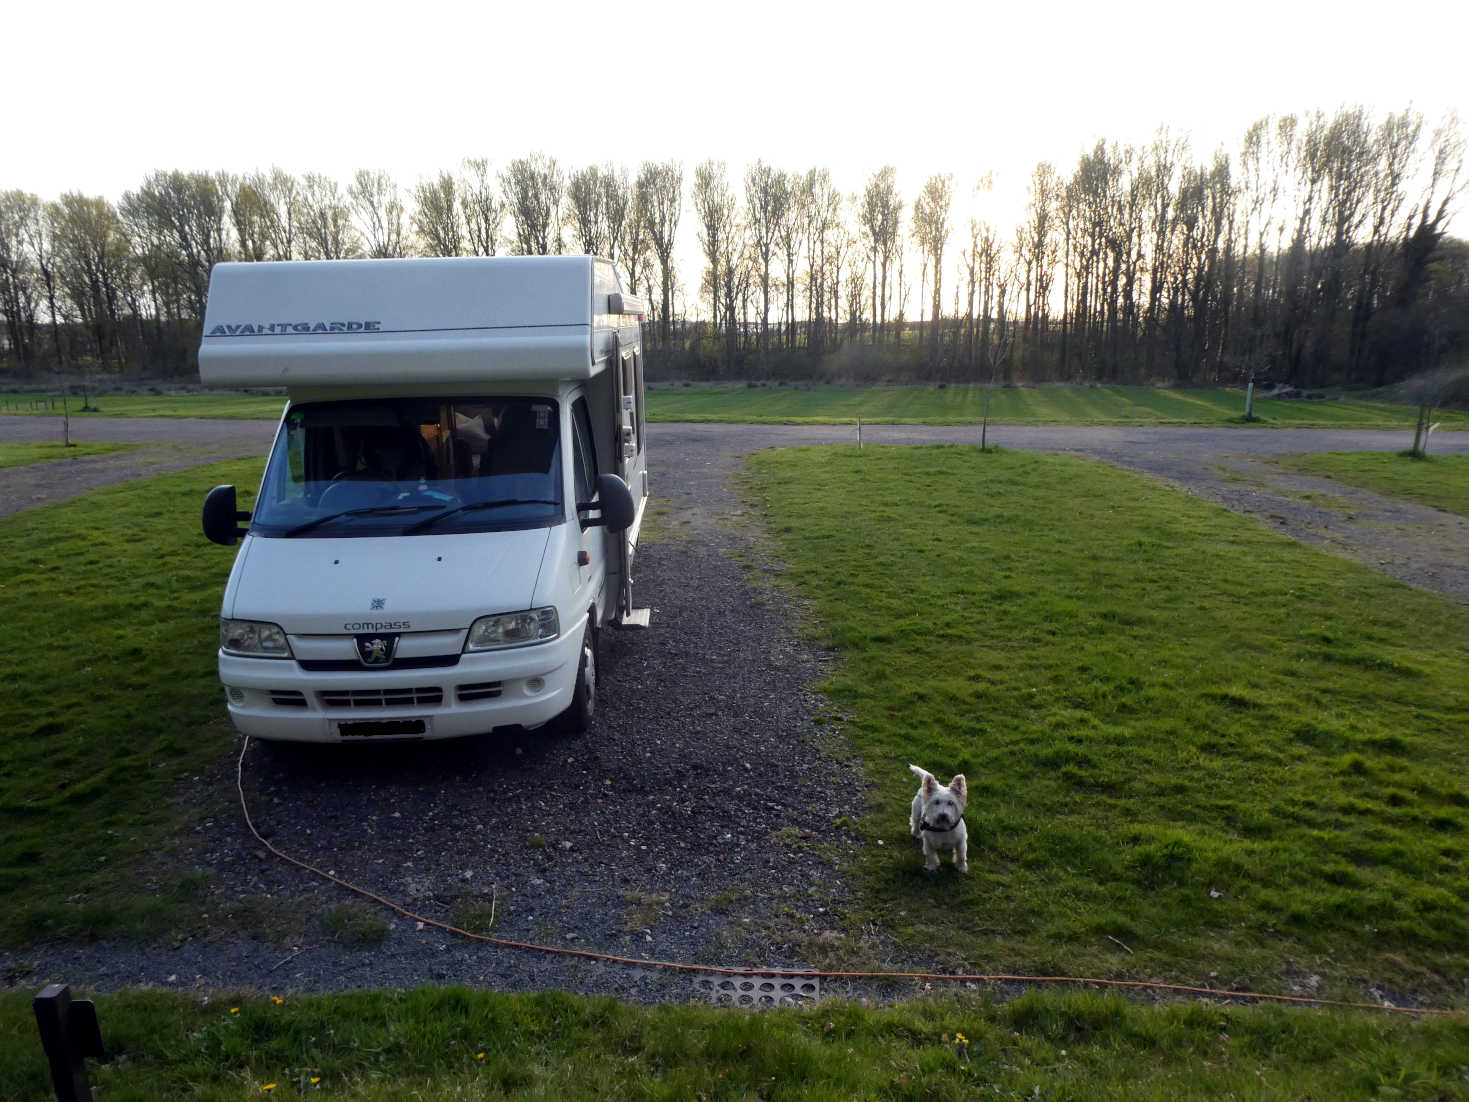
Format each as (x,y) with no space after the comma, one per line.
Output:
(767,191)
(326,223)
(533,188)
(281,193)
(635,246)
(19,282)
(931,228)
(184,213)
(587,216)
(881,218)
(378,208)
(790,234)
(482,206)
(93,266)
(617,205)
(250,216)
(437,216)
(660,195)
(714,205)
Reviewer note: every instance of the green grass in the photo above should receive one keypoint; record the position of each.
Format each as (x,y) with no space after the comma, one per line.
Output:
(25,455)
(1440,481)
(228,406)
(459,1044)
(110,604)
(1115,405)
(1240,757)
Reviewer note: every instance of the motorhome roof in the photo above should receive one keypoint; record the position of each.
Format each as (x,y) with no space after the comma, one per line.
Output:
(459,319)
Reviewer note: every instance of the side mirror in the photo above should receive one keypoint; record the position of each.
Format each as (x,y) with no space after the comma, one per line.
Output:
(614,500)
(221,519)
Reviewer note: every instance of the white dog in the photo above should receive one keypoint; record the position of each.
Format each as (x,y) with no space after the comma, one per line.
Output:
(938,819)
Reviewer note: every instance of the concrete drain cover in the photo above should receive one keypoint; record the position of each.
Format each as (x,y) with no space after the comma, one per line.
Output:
(760,990)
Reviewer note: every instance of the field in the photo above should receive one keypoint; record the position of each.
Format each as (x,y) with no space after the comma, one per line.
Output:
(1118,405)
(1440,481)
(1197,751)
(230,406)
(111,608)
(1194,747)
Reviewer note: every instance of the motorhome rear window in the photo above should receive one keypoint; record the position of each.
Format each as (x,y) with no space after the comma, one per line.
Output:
(373,467)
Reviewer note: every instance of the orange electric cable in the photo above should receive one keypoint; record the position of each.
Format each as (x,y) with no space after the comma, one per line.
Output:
(791,973)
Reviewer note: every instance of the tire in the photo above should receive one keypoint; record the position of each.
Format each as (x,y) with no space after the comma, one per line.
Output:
(577,718)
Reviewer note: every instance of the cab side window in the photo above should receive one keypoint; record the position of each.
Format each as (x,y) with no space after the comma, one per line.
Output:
(584,457)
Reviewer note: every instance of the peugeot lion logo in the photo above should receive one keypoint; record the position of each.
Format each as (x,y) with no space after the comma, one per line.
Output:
(376,650)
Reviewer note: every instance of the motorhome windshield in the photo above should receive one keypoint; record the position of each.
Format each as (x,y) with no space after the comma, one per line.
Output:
(408,466)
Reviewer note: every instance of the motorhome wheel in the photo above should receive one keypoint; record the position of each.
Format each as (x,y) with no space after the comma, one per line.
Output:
(578,716)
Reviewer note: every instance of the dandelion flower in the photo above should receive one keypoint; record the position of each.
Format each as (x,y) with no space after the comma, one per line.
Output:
(277,1000)
(479,1055)
(234,1010)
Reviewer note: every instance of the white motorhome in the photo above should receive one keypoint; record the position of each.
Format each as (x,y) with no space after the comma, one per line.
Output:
(451,507)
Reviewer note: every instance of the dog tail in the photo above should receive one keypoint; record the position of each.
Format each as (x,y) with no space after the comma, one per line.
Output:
(921,774)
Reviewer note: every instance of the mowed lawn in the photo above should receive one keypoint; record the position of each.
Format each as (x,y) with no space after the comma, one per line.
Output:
(111,610)
(1196,749)
(225,405)
(27,454)
(1439,481)
(1048,405)
(1058,405)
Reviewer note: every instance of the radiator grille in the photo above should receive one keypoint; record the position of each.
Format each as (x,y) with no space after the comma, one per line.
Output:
(421,696)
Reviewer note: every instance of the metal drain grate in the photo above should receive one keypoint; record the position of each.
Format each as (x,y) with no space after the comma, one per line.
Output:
(757,990)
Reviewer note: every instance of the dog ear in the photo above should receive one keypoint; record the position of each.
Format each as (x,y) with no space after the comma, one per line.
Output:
(959,787)
(930,786)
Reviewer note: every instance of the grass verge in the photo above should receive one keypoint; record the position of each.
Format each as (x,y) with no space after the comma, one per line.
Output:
(459,1044)
(1195,748)
(110,604)
(225,405)
(949,405)
(25,455)
(1439,481)
(1115,405)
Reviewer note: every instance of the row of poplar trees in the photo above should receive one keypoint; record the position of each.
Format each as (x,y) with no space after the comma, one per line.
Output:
(1316,253)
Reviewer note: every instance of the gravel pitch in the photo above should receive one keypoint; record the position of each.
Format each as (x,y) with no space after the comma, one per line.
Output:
(697,821)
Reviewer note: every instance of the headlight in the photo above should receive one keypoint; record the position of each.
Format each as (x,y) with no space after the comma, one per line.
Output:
(253,639)
(513,629)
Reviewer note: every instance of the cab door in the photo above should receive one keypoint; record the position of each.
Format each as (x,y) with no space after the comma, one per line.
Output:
(591,561)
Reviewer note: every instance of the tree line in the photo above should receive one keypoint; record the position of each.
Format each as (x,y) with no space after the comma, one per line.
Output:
(1316,253)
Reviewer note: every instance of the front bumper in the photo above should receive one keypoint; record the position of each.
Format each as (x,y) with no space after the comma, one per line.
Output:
(272,698)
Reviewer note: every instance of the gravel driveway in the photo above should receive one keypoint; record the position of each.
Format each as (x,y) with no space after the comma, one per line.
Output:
(700,818)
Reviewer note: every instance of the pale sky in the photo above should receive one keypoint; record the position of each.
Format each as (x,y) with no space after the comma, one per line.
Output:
(102,94)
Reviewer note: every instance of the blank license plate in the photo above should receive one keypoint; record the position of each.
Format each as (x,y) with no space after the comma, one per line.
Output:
(379,728)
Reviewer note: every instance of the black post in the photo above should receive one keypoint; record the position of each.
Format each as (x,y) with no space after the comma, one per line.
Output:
(69,1032)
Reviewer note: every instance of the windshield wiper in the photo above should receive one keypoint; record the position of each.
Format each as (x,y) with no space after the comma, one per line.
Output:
(364,511)
(429,522)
